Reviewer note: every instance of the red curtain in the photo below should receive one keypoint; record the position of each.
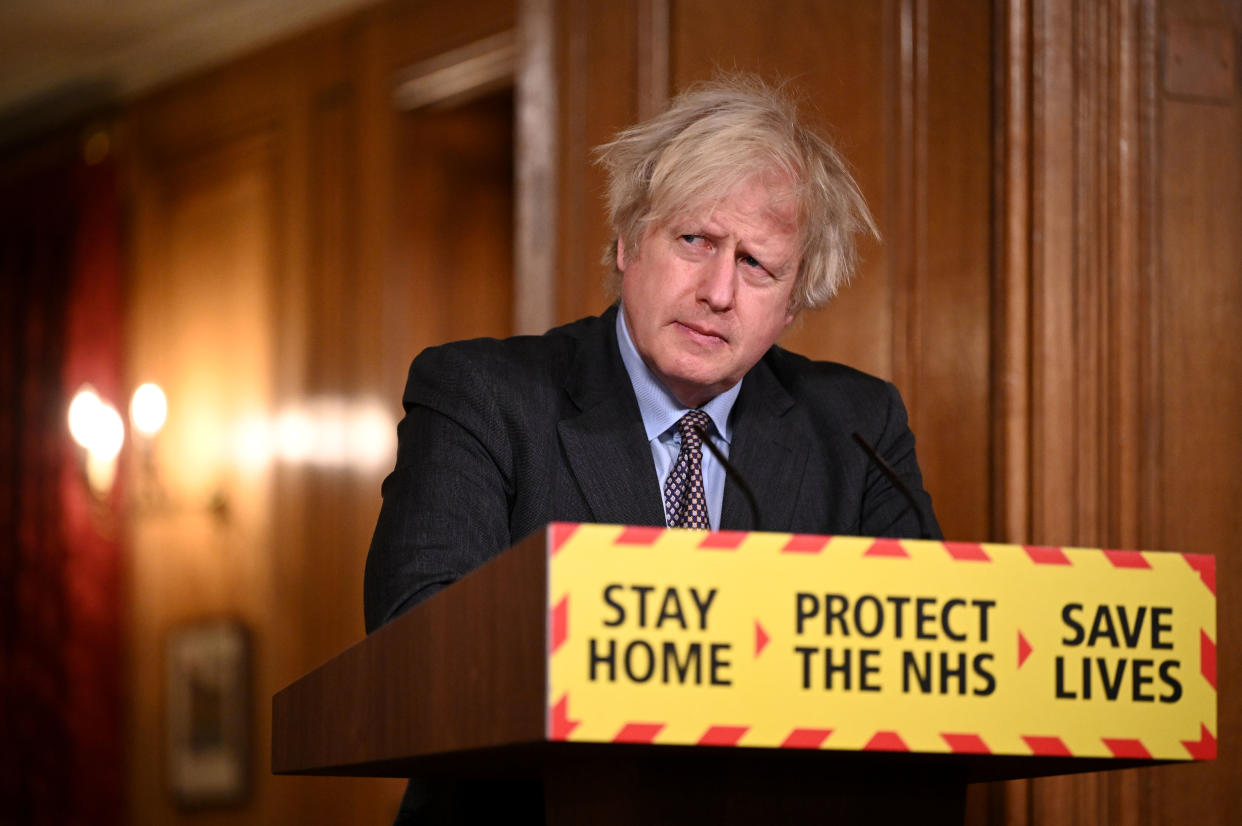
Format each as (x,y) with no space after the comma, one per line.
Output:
(61,702)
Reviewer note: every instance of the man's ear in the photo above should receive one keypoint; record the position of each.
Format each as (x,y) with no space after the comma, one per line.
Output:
(791,312)
(620,254)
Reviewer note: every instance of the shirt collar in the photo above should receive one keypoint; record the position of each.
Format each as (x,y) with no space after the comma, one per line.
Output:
(659,407)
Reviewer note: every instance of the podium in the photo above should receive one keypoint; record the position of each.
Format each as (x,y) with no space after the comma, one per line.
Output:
(460,687)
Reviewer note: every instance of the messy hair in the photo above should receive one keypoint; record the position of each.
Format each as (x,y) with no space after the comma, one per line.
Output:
(714,137)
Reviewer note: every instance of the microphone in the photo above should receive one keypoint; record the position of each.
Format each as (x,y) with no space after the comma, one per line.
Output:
(901,486)
(734,474)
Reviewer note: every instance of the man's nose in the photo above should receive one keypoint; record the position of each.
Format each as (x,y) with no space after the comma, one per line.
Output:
(716,281)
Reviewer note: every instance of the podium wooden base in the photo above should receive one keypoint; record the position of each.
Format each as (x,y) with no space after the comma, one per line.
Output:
(455,691)
(608,786)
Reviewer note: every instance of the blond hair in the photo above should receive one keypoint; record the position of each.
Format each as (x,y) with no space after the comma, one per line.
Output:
(716,136)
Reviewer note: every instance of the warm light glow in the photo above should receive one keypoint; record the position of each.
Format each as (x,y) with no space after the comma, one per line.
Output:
(148,409)
(82,414)
(325,432)
(372,436)
(97,427)
(109,433)
(95,424)
(252,443)
(294,436)
(329,426)
(100,473)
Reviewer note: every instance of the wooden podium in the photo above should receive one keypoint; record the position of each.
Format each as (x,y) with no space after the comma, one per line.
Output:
(457,688)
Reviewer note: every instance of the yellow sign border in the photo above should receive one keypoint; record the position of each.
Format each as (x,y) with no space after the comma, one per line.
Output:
(1152,644)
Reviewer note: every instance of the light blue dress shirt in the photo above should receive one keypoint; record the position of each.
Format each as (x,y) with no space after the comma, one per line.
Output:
(661,411)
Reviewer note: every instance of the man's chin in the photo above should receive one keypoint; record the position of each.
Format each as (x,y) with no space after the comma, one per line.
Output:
(695,389)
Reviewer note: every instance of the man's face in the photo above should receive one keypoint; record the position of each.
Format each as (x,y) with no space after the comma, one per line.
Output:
(710,291)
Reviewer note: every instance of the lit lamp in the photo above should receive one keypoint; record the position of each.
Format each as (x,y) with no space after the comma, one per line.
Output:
(97,428)
(148,410)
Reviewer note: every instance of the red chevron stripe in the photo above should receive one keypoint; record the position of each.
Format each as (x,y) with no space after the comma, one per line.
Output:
(559,724)
(806,738)
(723,540)
(1047,746)
(887,547)
(886,741)
(559,623)
(558,533)
(723,735)
(1046,556)
(1024,649)
(1206,566)
(967,552)
(1207,658)
(1127,748)
(638,535)
(965,743)
(805,543)
(1204,748)
(638,732)
(1127,559)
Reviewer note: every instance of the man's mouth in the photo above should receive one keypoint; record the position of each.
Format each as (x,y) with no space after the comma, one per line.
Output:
(700,332)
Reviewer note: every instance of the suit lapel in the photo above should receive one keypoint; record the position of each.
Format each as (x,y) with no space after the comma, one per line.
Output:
(770,442)
(604,442)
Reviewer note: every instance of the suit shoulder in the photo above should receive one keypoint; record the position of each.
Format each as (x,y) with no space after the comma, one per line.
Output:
(518,361)
(840,399)
(804,377)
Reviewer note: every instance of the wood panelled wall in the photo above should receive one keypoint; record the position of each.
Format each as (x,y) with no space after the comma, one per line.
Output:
(1057,183)
(1119,279)
(296,239)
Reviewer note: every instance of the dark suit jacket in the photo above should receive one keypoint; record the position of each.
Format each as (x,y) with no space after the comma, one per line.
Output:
(501,437)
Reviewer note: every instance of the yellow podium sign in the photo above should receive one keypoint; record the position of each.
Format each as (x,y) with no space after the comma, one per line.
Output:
(796,641)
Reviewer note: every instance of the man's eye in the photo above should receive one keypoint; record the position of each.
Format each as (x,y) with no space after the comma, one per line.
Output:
(692,239)
(750,261)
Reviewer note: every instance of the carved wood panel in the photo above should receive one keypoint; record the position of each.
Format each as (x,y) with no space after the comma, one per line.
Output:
(275,203)
(1117,368)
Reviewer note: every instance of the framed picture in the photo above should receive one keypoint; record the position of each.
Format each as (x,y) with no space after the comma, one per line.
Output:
(207,711)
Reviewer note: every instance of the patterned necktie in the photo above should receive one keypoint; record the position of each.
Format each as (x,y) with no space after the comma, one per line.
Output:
(684,501)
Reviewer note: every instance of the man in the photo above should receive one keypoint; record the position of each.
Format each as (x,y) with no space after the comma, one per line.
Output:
(731,218)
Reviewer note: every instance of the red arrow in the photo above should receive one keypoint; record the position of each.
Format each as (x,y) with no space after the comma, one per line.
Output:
(761,638)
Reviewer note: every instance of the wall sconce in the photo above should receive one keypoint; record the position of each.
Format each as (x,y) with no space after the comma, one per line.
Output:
(97,428)
(328,432)
(148,410)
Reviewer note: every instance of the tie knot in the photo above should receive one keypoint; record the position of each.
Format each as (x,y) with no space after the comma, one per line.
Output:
(688,423)
(685,502)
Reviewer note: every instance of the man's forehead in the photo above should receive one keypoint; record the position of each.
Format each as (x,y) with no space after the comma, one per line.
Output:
(769,216)
(757,197)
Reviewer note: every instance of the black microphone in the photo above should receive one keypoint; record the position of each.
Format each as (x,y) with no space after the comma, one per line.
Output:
(733,473)
(897,483)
